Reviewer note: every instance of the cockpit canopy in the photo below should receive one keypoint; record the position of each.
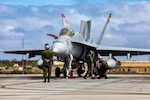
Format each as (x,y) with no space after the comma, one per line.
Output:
(66,31)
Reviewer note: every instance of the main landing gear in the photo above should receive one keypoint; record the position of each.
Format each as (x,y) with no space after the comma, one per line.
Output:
(76,66)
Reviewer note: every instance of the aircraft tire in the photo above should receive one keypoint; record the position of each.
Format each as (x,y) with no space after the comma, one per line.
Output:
(80,71)
(57,72)
(65,73)
(105,76)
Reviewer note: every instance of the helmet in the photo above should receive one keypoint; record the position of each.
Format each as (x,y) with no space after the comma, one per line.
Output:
(47,46)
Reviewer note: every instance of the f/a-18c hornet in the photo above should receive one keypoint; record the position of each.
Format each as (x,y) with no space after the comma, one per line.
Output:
(72,47)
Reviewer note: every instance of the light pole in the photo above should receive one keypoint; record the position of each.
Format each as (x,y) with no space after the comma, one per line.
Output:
(22,57)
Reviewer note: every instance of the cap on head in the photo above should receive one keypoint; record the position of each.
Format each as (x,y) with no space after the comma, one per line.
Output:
(47,46)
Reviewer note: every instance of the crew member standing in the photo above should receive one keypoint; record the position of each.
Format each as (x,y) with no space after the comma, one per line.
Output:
(90,64)
(47,57)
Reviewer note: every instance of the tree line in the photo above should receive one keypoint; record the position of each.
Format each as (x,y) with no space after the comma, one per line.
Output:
(10,63)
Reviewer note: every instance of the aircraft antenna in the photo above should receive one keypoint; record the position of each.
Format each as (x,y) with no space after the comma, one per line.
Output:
(102,33)
(23,57)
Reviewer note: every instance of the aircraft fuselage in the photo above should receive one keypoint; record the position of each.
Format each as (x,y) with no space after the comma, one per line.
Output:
(64,45)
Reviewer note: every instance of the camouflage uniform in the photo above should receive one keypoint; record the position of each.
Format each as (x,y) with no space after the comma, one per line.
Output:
(89,61)
(102,68)
(47,57)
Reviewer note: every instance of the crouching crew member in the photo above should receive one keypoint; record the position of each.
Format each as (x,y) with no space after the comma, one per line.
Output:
(102,68)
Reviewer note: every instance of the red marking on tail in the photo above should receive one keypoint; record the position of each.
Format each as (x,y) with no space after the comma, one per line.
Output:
(62,15)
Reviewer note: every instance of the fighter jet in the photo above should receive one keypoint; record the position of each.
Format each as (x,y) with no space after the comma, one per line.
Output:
(75,46)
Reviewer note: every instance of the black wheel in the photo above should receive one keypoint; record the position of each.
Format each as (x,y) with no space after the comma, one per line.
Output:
(57,72)
(65,73)
(105,76)
(80,71)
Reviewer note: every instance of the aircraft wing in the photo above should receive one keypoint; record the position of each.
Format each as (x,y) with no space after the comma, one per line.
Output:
(85,44)
(121,51)
(116,51)
(31,52)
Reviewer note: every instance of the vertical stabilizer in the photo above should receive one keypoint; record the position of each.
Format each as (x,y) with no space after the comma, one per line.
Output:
(102,33)
(64,21)
(85,29)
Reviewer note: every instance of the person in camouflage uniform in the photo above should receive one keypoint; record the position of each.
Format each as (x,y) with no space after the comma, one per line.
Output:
(47,57)
(90,64)
(102,68)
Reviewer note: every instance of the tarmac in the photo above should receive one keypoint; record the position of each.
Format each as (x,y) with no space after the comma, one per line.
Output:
(116,87)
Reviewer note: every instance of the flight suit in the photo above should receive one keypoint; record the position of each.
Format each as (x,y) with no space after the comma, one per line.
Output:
(47,57)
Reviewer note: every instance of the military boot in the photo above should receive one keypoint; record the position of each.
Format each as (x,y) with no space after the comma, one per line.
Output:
(48,80)
(84,76)
(44,80)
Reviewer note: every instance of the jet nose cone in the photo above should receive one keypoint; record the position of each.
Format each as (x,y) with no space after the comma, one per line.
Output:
(59,49)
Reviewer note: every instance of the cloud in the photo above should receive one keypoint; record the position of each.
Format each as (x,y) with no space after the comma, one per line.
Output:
(38,2)
(10,31)
(114,40)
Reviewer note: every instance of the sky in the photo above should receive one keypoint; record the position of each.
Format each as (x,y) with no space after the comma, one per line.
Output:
(29,21)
